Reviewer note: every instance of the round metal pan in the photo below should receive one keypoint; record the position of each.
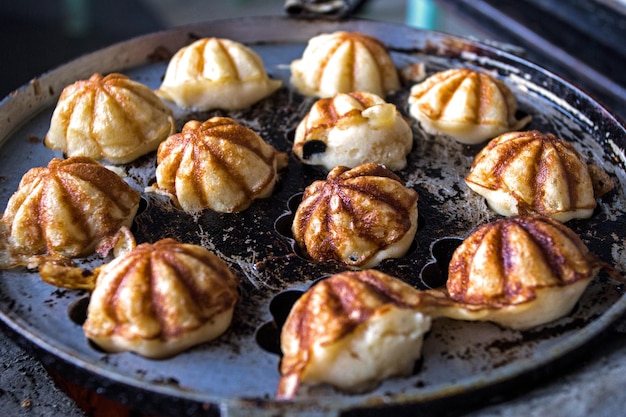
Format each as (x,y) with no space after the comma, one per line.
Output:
(238,373)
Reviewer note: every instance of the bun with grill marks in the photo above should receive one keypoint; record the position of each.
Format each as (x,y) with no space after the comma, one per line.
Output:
(519,272)
(536,173)
(110,118)
(341,62)
(160,299)
(352,330)
(351,129)
(64,210)
(468,105)
(216,73)
(217,164)
(357,216)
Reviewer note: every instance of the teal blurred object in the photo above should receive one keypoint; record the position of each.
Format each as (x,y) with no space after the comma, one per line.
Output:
(76,17)
(423,14)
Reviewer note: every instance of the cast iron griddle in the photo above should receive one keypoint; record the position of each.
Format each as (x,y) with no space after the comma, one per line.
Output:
(237,374)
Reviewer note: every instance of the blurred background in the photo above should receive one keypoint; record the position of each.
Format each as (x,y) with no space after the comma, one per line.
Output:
(38,35)
(581,40)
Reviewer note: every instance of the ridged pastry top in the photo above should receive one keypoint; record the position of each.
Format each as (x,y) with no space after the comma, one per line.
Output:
(340,302)
(215,73)
(508,261)
(355,215)
(156,298)
(217,164)
(341,62)
(334,309)
(351,129)
(533,172)
(65,210)
(469,105)
(112,118)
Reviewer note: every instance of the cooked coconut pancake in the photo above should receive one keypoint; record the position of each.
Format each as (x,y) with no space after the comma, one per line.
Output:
(341,62)
(357,216)
(64,210)
(351,330)
(112,118)
(160,299)
(470,106)
(217,164)
(214,73)
(535,173)
(351,129)
(519,272)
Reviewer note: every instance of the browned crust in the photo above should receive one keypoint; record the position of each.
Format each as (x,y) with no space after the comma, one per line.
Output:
(564,259)
(359,192)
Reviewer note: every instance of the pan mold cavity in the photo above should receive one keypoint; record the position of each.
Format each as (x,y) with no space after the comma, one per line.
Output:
(77,311)
(435,273)
(312,147)
(283,223)
(268,334)
(143,206)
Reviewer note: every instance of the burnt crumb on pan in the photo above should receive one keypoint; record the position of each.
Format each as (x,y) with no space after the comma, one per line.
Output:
(34,139)
(267,264)
(502,362)
(159,54)
(36,86)
(466,354)
(450,48)
(191,36)
(166,381)
(501,346)
(540,334)
(60,294)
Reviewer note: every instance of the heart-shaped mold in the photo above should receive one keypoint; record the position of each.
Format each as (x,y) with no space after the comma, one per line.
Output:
(435,273)
(268,334)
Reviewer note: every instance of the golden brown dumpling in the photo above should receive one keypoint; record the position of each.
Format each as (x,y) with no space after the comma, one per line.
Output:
(112,118)
(351,330)
(533,172)
(469,105)
(351,129)
(214,73)
(356,216)
(217,164)
(64,210)
(519,272)
(341,62)
(160,299)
